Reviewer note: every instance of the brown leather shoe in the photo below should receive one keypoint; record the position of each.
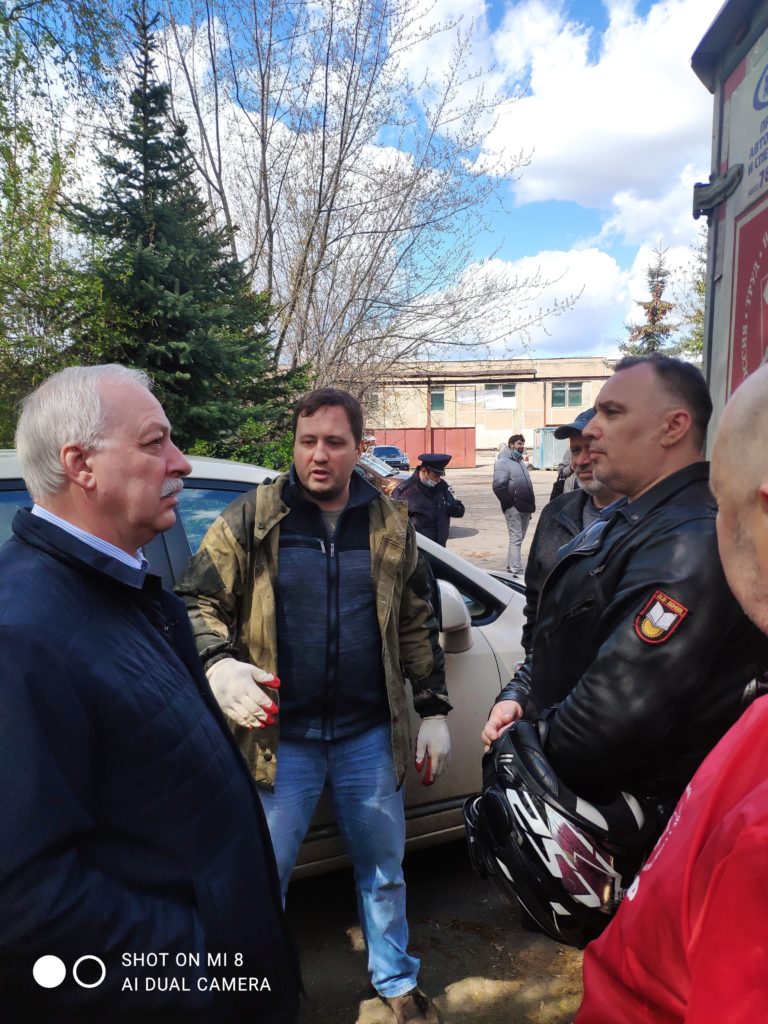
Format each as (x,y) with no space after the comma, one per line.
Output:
(413,1006)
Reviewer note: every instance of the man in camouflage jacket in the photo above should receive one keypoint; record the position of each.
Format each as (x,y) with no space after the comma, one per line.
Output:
(316,576)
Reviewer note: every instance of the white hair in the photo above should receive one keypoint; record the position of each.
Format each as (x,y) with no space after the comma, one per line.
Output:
(65,409)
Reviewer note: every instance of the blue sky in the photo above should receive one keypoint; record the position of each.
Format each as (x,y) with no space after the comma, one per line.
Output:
(618,130)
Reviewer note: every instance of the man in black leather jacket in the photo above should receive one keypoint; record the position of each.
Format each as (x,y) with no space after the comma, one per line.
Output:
(642,656)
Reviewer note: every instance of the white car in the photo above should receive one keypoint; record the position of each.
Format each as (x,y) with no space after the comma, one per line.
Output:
(481,619)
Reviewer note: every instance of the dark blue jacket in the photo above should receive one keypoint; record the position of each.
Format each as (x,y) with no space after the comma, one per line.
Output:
(429,508)
(328,640)
(130,823)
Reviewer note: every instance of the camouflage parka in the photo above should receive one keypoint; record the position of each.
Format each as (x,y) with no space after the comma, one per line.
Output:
(229,590)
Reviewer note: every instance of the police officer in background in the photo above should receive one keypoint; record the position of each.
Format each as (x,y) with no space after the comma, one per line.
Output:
(431,502)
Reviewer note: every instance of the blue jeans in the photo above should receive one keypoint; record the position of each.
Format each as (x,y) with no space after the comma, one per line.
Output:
(360,775)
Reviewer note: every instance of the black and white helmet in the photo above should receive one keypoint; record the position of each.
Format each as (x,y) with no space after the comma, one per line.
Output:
(567,861)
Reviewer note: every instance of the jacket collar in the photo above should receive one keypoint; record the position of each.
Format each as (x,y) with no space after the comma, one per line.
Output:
(430,492)
(360,491)
(275,498)
(570,512)
(512,454)
(48,537)
(665,490)
(272,499)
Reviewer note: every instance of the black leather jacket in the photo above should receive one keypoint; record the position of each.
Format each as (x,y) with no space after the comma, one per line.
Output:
(559,522)
(641,651)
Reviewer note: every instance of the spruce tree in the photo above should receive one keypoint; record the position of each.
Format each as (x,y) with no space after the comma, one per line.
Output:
(656,333)
(176,302)
(691,303)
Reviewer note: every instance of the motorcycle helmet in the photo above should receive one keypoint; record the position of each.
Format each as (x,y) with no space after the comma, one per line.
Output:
(566,861)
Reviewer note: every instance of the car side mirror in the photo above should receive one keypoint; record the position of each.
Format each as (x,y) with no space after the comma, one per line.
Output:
(455,621)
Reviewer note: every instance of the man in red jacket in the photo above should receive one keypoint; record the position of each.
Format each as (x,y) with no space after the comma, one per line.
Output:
(689,942)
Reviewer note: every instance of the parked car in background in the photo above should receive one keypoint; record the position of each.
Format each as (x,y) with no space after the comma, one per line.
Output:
(392,455)
(480,616)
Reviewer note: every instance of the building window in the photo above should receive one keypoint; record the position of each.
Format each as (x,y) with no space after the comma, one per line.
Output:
(566,395)
(373,402)
(437,399)
(502,390)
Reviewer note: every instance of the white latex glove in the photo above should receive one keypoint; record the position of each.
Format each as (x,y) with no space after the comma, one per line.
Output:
(234,687)
(434,743)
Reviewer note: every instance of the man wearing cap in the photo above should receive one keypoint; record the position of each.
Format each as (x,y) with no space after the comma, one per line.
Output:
(512,486)
(563,518)
(641,657)
(431,502)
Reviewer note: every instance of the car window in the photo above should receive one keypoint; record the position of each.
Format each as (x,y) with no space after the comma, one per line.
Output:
(476,609)
(386,450)
(201,501)
(10,501)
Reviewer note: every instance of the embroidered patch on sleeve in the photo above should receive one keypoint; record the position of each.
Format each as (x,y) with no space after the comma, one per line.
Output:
(659,618)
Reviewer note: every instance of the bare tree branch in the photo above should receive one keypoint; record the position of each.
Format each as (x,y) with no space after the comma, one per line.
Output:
(356,188)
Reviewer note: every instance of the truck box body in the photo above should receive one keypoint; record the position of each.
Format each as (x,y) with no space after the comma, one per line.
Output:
(732,62)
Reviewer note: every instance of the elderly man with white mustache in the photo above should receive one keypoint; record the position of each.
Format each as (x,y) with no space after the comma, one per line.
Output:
(131,825)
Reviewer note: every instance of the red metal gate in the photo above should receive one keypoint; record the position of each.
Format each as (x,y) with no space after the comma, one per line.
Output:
(458,442)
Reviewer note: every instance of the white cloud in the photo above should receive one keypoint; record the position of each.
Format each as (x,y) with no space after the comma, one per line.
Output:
(437,23)
(607,302)
(593,325)
(615,122)
(626,122)
(665,219)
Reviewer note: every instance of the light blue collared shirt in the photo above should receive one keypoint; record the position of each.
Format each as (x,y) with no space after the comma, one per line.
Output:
(137,561)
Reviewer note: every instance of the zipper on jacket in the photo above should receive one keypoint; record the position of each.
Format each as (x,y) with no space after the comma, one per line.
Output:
(332,648)
(569,617)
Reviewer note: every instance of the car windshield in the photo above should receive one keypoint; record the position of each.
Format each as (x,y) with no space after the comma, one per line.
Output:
(201,501)
(373,462)
(386,449)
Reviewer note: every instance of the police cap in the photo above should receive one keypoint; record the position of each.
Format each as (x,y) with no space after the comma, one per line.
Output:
(435,462)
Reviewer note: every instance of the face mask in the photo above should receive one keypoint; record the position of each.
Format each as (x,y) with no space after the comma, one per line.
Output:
(429,483)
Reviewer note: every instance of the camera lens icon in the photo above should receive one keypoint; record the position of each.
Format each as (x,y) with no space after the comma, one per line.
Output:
(49,971)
